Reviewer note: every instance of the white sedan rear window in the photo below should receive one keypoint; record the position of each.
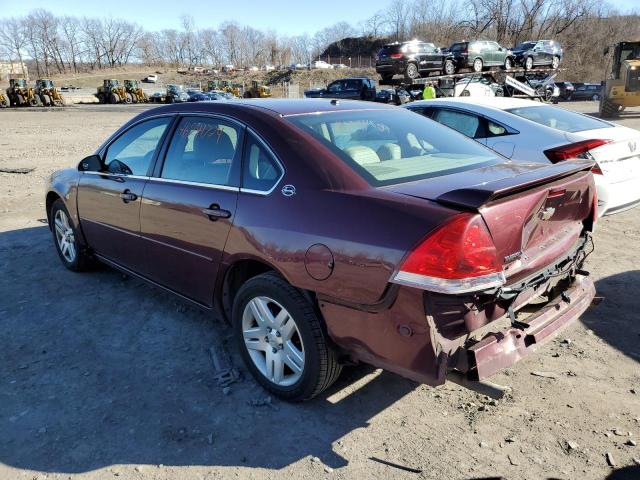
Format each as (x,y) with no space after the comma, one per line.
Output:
(559,118)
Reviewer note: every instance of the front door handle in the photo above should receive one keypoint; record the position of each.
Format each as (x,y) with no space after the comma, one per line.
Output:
(214,212)
(127,196)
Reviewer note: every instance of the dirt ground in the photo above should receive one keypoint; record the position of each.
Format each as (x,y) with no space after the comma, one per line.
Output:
(103,376)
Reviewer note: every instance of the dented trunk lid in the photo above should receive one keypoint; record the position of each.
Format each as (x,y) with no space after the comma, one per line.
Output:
(534,212)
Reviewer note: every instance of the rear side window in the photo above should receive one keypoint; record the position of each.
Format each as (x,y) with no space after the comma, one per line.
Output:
(559,118)
(389,147)
(131,153)
(202,150)
(456,47)
(260,170)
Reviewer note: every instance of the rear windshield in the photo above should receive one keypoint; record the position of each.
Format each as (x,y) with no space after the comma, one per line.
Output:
(559,118)
(389,49)
(456,47)
(390,147)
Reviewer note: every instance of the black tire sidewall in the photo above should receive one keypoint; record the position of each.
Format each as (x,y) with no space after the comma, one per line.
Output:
(275,287)
(77,263)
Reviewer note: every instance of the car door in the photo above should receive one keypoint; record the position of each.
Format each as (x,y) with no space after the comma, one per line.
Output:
(498,53)
(109,201)
(189,204)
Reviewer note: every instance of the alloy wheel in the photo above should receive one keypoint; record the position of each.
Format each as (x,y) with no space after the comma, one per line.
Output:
(273,341)
(477,65)
(65,236)
(555,62)
(528,64)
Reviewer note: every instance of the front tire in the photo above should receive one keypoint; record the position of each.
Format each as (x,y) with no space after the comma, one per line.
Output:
(65,239)
(555,62)
(449,67)
(282,340)
(478,65)
(508,64)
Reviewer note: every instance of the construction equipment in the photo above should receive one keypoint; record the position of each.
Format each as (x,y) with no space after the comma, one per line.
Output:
(257,90)
(4,99)
(214,86)
(225,86)
(112,92)
(622,88)
(137,94)
(20,94)
(48,93)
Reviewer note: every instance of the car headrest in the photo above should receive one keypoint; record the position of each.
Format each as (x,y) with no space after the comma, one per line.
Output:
(362,155)
(389,151)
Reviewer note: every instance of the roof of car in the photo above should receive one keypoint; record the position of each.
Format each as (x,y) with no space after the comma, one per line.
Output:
(281,106)
(500,103)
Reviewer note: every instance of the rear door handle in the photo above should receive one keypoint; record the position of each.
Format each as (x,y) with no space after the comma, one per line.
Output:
(127,196)
(214,212)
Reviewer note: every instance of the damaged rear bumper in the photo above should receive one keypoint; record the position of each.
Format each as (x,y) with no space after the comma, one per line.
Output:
(501,349)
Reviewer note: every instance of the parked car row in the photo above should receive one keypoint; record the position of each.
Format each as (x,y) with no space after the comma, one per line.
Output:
(418,58)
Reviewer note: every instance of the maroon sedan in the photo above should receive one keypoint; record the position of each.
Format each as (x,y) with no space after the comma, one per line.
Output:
(334,231)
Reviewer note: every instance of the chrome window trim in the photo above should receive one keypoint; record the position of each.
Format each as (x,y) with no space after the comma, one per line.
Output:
(105,146)
(195,184)
(274,156)
(121,175)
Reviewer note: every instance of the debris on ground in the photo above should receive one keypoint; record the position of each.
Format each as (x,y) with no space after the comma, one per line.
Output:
(572,445)
(544,374)
(395,465)
(223,371)
(610,459)
(260,402)
(630,443)
(16,170)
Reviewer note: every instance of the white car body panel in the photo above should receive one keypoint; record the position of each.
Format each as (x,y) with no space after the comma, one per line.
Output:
(619,185)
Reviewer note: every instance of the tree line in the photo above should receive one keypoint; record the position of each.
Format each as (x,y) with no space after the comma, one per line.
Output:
(63,44)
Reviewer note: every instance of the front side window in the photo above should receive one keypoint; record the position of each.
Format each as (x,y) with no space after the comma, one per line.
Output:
(390,147)
(261,171)
(131,153)
(203,150)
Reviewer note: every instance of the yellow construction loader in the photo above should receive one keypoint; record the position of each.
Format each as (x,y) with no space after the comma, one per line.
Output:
(20,94)
(112,92)
(48,93)
(257,90)
(137,94)
(4,99)
(622,87)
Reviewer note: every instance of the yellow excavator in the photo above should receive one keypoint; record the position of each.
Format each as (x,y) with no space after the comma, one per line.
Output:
(137,94)
(622,87)
(20,94)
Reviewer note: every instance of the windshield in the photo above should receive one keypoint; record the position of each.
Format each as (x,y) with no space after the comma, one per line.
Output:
(525,45)
(341,85)
(389,147)
(559,118)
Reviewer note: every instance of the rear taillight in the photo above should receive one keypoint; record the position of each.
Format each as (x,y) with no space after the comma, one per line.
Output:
(396,55)
(457,257)
(574,150)
(596,170)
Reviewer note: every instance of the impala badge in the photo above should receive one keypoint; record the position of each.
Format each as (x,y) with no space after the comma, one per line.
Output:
(288,190)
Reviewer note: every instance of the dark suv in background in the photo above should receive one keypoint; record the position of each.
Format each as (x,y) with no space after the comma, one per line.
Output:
(480,54)
(359,88)
(413,60)
(535,53)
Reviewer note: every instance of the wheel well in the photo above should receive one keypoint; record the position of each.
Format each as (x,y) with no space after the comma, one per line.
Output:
(51,197)
(235,277)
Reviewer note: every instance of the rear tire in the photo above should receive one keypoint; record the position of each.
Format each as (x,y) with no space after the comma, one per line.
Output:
(114,98)
(128,98)
(449,67)
(528,63)
(478,65)
(412,72)
(101,98)
(508,64)
(555,62)
(283,342)
(65,239)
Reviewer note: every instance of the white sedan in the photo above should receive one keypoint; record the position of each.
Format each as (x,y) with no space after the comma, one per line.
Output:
(525,130)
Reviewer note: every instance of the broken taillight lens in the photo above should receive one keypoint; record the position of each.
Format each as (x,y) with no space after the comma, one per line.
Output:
(457,257)
(574,150)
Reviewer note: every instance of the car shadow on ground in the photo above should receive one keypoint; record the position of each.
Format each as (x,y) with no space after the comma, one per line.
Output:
(615,320)
(100,369)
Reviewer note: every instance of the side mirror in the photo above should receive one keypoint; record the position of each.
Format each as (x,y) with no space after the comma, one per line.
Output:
(92,163)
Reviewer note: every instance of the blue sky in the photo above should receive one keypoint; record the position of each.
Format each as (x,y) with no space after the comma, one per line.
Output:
(291,17)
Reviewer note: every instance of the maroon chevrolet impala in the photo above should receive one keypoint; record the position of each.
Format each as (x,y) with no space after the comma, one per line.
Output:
(333,231)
